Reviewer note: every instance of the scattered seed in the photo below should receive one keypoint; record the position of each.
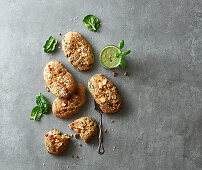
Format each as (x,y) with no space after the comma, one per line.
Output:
(105,131)
(114,147)
(77,156)
(114,73)
(125,74)
(80,144)
(112,129)
(112,121)
(72,156)
(44,164)
(59,34)
(76,135)
(46,87)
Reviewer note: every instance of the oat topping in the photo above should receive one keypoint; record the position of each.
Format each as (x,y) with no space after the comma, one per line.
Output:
(125,74)
(47,88)
(114,73)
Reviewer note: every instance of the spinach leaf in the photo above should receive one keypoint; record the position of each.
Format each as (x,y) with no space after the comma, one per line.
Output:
(91,22)
(43,103)
(121,44)
(122,63)
(36,113)
(50,45)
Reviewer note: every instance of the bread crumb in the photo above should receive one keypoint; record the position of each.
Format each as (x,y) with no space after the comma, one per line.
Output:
(71,136)
(59,34)
(72,156)
(80,144)
(114,73)
(77,156)
(126,73)
(76,135)
(112,121)
(46,87)
(105,131)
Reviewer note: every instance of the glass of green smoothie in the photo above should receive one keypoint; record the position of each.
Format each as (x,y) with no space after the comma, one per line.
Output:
(108,57)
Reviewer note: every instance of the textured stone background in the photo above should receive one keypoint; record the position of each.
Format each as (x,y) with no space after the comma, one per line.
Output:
(160,126)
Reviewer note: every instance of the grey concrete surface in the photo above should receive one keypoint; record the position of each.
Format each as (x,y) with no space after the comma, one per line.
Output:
(160,126)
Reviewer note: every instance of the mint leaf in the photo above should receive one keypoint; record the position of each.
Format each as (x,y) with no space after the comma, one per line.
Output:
(126,52)
(121,44)
(118,55)
(122,63)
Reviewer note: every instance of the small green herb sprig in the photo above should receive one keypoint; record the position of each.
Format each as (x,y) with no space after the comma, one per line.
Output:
(92,23)
(50,45)
(121,54)
(43,106)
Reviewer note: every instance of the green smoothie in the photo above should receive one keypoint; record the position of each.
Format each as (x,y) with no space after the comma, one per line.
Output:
(107,57)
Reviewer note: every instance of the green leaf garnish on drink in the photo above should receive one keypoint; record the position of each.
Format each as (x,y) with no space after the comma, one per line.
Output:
(121,54)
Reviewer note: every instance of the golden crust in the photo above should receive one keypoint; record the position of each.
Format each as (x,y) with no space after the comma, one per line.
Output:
(86,127)
(105,94)
(60,82)
(78,51)
(56,143)
(66,108)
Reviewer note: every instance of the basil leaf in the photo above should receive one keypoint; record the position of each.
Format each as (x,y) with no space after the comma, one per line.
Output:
(125,52)
(122,63)
(118,55)
(91,22)
(121,44)
(36,113)
(43,103)
(50,45)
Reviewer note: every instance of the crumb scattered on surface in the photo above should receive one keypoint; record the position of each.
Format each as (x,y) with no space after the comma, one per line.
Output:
(71,136)
(44,164)
(59,34)
(112,129)
(114,73)
(76,135)
(126,73)
(77,156)
(80,144)
(105,131)
(114,147)
(112,121)
(72,156)
(47,88)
